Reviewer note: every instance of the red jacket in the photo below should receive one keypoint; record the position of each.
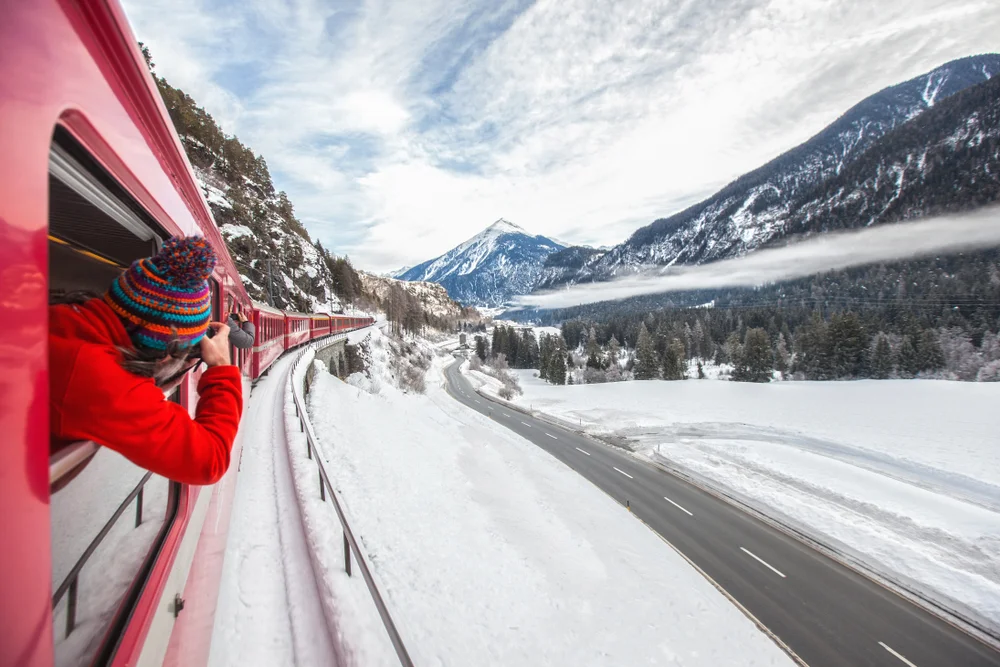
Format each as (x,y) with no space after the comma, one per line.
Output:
(93,398)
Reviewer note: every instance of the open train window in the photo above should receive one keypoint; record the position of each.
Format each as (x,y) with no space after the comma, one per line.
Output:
(108,517)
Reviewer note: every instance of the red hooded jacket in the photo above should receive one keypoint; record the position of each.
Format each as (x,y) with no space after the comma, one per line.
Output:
(92,397)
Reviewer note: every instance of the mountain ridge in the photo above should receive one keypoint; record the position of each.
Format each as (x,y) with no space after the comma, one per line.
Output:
(750,211)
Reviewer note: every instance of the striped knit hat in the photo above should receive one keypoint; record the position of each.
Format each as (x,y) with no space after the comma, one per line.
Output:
(166,297)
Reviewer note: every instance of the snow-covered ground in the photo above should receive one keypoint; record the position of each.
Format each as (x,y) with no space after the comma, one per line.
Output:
(491,552)
(902,476)
(269,610)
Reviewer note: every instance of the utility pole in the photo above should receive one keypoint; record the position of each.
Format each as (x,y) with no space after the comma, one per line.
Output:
(270,294)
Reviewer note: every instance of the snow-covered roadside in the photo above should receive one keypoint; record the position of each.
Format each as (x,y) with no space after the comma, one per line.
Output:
(900,476)
(491,552)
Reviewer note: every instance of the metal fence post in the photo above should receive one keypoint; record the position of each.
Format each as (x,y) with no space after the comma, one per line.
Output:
(138,507)
(322,487)
(347,554)
(71,606)
(309,448)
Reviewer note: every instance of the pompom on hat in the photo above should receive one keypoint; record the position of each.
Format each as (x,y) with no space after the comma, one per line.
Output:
(166,297)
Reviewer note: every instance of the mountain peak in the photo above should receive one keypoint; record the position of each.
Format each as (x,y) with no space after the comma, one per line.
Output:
(502,226)
(491,267)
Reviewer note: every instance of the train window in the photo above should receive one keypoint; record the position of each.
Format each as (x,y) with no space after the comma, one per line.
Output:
(106,514)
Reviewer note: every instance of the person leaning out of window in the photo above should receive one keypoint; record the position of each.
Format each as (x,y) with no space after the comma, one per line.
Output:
(241,331)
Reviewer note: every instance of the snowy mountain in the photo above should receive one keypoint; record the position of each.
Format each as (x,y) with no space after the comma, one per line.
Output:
(487,270)
(944,160)
(755,208)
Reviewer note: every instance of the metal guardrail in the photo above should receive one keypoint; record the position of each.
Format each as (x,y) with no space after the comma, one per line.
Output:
(350,542)
(70,583)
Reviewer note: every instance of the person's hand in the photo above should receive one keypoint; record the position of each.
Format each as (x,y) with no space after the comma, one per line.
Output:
(215,350)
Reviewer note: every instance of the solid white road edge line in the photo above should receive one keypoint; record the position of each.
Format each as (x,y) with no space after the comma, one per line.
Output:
(887,648)
(677,506)
(580,450)
(552,436)
(762,562)
(630,477)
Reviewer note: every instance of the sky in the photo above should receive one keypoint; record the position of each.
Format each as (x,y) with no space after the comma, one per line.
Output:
(401,128)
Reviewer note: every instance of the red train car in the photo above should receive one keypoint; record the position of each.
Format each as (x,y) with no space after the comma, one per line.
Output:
(296,329)
(319,326)
(269,343)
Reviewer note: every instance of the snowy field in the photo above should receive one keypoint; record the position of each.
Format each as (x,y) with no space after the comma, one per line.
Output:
(902,476)
(491,552)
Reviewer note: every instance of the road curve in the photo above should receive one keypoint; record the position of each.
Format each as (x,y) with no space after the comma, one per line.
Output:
(824,612)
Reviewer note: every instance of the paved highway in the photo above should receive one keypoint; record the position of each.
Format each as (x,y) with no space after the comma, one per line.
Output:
(822,611)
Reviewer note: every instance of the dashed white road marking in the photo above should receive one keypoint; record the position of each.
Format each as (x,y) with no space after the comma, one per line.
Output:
(552,436)
(677,506)
(506,415)
(887,648)
(526,424)
(624,473)
(762,562)
(476,400)
(580,450)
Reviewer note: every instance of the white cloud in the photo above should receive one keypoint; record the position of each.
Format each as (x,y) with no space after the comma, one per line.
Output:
(828,252)
(400,128)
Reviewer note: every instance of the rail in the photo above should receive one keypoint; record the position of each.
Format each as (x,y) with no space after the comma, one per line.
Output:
(70,583)
(350,542)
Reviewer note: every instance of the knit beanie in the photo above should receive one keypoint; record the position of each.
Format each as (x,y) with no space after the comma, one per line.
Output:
(166,296)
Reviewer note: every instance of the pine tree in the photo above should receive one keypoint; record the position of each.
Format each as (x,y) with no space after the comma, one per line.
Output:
(673,361)
(756,360)
(614,350)
(880,359)
(544,356)
(527,351)
(907,362)
(813,346)
(646,367)
(481,348)
(782,359)
(701,371)
(557,365)
(593,351)
(846,340)
(930,357)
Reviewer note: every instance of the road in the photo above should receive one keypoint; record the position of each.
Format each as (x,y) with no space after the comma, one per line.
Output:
(827,614)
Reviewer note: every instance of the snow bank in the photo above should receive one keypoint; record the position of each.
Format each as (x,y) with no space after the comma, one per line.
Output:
(347,604)
(902,476)
(491,552)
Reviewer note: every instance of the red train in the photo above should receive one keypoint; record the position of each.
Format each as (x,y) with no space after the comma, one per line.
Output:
(93,176)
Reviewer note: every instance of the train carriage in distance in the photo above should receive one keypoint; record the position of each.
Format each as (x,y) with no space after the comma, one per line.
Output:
(269,343)
(319,326)
(296,329)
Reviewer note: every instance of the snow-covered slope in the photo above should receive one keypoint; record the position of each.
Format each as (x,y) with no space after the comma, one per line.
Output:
(751,211)
(489,551)
(487,270)
(433,298)
(900,475)
(272,249)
